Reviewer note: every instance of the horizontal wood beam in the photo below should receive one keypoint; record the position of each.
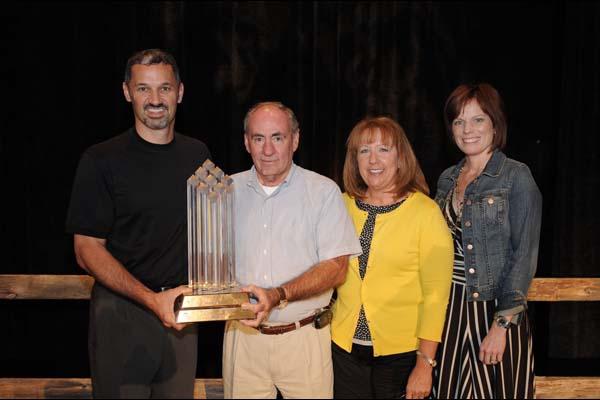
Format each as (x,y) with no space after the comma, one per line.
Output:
(564,289)
(567,387)
(45,287)
(73,287)
(81,388)
(547,387)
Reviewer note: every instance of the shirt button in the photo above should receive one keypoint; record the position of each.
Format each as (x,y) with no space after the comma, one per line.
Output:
(471,270)
(265,225)
(475,295)
(469,202)
(490,201)
(265,251)
(468,224)
(469,246)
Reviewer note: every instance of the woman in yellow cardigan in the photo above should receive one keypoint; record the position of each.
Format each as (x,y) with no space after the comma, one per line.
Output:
(389,313)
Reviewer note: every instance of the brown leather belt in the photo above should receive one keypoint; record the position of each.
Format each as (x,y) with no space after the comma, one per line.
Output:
(279,329)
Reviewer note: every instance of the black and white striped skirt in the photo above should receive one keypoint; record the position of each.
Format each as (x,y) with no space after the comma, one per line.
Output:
(460,374)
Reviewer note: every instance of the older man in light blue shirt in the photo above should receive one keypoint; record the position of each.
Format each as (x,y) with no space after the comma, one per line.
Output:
(293,241)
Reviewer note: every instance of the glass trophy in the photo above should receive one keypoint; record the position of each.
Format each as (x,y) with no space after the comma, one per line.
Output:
(211,250)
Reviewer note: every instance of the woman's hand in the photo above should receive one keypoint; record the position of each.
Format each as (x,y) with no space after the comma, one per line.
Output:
(419,381)
(493,345)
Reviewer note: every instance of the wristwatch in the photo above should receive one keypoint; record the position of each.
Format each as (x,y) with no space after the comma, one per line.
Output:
(432,363)
(282,297)
(502,322)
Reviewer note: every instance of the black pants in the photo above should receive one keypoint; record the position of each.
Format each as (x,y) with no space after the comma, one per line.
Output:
(360,375)
(133,355)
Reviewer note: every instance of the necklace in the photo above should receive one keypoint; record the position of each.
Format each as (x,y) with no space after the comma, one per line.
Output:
(456,198)
(458,195)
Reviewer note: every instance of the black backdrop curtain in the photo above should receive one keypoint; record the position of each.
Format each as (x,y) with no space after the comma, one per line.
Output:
(333,63)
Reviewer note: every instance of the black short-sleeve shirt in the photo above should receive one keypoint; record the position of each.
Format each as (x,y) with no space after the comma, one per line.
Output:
(133,194)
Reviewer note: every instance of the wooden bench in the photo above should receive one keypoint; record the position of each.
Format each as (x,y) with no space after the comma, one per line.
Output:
(77,287)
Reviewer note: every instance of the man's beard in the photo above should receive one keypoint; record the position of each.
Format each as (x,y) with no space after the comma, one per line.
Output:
(156,123)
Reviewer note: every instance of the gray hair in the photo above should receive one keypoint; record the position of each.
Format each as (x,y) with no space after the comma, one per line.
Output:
(293,121)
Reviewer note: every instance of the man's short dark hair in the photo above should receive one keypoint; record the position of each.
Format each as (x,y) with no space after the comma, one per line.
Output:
(151,57)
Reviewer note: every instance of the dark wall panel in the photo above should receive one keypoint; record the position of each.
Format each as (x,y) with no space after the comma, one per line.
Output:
(333,63)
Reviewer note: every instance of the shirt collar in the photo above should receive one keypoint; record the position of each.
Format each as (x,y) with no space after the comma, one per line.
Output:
(492,168)
(254,183)
(495,164)
(142,143)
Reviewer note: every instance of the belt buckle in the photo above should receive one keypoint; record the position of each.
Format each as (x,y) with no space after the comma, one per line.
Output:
(260,329)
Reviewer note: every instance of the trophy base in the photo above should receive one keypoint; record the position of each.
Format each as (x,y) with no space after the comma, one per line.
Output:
(203,307)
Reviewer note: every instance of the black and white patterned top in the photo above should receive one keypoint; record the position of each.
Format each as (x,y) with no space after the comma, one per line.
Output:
(362,335)
(453,219)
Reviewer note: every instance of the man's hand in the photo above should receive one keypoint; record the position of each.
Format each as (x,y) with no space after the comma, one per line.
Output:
(267,299)
(163,305)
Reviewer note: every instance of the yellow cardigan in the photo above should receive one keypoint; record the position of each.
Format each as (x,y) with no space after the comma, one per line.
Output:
(407,284)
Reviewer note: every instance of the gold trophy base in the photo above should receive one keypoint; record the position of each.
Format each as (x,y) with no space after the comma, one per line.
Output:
(203,307)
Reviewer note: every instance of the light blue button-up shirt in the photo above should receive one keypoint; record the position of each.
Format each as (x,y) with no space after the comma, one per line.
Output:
(282,235)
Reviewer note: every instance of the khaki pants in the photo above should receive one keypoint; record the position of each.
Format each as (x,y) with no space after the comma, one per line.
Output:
(298,363)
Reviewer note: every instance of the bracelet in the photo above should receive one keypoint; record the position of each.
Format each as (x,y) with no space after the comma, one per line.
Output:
(432,363)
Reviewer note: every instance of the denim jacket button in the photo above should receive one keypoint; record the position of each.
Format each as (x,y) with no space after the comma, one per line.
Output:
(471,270)
(468,224)
(470,246)
(475,295)
(490,201)
(469,202)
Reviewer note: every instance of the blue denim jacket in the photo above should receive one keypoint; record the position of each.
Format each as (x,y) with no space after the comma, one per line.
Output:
(501,221)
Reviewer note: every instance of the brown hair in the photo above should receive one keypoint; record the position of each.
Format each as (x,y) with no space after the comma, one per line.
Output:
(490,102)
(409,178)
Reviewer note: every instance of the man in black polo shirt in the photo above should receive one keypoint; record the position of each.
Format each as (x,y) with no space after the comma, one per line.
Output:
(128,217)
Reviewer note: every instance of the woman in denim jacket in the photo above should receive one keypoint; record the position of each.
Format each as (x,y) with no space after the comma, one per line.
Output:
(493,208)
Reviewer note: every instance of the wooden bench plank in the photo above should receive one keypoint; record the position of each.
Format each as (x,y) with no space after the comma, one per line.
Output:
(562,387)
(28,388)
(45,287)
(69,287)
(564,289)
(81,388)
(547,387)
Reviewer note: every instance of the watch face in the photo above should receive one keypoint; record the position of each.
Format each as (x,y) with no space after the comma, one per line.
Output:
(503,322)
